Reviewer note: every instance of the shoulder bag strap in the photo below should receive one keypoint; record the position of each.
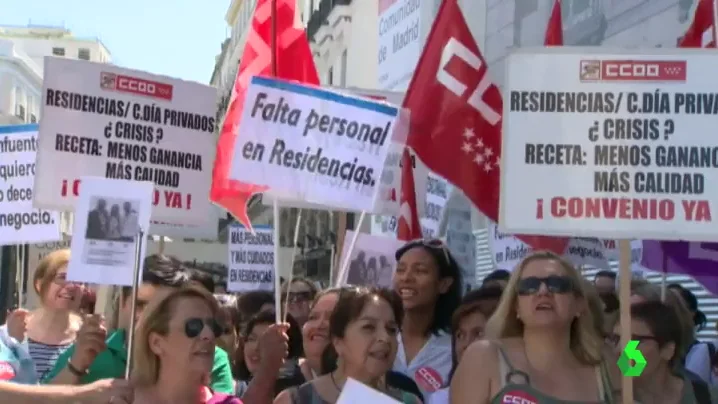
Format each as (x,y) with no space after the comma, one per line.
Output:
(700,390)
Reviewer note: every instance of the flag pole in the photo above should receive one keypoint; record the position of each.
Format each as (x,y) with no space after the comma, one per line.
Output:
(715,22)
(275,204)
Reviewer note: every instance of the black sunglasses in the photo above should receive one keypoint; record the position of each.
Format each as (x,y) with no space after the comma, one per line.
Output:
(554,283)
(299,297)
(615,339)
(193,327)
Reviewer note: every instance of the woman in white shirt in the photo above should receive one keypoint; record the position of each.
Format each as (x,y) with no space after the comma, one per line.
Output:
(428,280)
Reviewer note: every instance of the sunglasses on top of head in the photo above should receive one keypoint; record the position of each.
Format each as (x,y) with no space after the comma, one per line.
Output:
(555,284)
(193,327)
(432,243)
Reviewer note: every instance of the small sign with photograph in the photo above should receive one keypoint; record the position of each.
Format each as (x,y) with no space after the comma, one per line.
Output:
(109,215)
(372,261)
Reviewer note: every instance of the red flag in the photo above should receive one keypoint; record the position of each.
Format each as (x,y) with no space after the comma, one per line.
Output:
(458,134)
(554,29)
(294,62)
(408,225)
(701,33)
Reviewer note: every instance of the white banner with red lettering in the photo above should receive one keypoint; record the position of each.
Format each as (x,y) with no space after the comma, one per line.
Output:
(610,144)
(104,120)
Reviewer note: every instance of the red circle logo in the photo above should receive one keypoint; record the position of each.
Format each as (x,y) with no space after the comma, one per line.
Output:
(518,397)
(428,379)
(7,372)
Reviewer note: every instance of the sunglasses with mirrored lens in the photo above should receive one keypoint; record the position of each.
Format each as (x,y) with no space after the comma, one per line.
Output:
(554,284)
(193,327)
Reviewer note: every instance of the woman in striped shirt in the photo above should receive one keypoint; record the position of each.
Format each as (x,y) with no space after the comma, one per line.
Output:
(46,332)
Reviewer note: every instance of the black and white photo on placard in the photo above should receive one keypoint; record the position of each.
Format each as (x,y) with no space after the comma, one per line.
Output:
(112,219)
(109,214)
(371,262)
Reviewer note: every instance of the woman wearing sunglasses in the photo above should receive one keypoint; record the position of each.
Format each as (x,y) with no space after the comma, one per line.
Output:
(428,280)
(174,350)
(661,340)
(543,344)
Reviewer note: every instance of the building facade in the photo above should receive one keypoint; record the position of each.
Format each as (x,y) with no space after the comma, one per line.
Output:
(20,85)
(22,53)
(40,41)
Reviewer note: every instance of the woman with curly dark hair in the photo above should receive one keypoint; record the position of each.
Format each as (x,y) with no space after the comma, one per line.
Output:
(290,374)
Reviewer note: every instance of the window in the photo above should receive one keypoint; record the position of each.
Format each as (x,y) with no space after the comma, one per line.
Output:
(33,118)
(20,111)
(58,51)
(330,76)
(83,53)
(343,76)
(20,102)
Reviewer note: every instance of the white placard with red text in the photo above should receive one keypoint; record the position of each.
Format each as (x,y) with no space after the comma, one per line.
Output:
(610,144)
(104,120)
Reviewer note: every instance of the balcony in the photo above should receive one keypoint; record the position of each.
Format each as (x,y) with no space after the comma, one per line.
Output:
(321,16)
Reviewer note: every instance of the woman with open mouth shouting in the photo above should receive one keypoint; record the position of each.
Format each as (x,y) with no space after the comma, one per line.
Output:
(543,345)
(363,327)
(428,280)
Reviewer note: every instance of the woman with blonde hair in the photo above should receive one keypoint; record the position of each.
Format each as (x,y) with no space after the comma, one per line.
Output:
(543,347)
(174,349)
(48,331)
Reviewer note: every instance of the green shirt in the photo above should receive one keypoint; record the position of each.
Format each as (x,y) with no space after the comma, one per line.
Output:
(111,363)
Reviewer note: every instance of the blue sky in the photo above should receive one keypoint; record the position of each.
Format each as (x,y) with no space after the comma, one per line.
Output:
(178,38)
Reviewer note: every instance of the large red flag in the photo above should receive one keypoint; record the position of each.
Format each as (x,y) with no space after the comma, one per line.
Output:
(554,29)
(293,62)
(701,33)
(408,224)
(458,133)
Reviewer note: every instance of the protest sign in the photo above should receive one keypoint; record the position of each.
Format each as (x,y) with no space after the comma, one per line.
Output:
(104,120)
(460,237)
(109,215)
(507,251)
(251,259)
(390,184)
(310,144)
(437,191)
(372,261)
(19,222)
(610,144)
(354,392)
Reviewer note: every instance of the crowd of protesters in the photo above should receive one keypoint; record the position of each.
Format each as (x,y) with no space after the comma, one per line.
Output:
(540,334)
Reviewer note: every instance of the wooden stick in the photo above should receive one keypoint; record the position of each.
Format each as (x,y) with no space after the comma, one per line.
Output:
(624,279)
